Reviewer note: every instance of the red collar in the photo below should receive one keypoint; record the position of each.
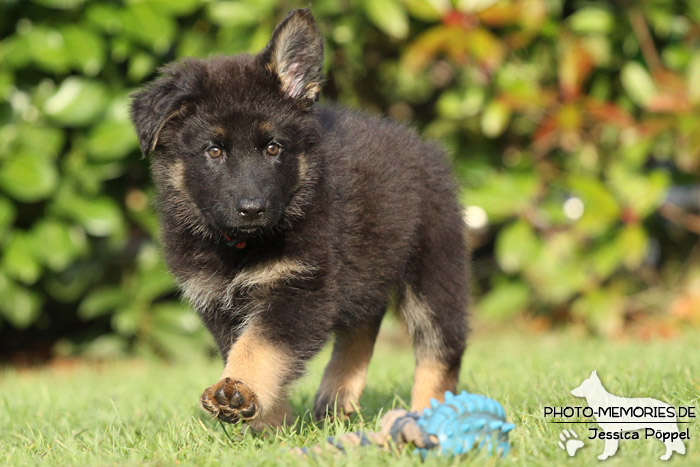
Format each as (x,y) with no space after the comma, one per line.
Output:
(236,243)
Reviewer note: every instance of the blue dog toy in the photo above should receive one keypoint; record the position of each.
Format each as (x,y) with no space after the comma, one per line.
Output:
(465,422)
(462,423)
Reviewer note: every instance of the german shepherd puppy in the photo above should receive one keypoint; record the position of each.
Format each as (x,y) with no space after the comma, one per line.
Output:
(285,222)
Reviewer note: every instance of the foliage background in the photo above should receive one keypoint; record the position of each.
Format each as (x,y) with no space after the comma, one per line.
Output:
(574,127)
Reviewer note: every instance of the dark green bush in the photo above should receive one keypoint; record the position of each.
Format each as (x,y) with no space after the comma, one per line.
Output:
(568,122)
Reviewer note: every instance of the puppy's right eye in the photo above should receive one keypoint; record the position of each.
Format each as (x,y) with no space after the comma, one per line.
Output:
(215,152)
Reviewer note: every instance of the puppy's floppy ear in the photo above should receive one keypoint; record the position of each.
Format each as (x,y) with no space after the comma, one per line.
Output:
(294,56)
(161,100)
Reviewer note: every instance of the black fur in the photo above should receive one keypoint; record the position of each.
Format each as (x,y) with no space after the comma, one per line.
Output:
(366,206)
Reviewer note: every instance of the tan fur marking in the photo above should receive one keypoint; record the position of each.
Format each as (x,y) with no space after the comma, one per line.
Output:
(206,288)
(419,318)
(182,205)
(430,381)
(269,274)
(345,375)
(265,126)
(177,177)
(220,130)
(262,366)
(312,90)
(303,169)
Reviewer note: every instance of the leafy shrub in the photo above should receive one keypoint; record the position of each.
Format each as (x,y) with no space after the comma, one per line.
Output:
(568,121)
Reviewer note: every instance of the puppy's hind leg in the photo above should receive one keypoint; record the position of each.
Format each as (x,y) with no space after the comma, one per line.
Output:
(345,375)
(438,354)
(433,305)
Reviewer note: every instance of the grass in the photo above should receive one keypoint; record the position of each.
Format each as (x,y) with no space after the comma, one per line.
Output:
(145,412)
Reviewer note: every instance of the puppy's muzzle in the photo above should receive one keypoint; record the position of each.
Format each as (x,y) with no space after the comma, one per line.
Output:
(251,209)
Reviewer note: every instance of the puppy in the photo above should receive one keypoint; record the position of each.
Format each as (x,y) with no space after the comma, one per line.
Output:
(286,222)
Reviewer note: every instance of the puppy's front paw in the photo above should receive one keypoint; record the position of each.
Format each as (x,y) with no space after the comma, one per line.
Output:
(230,401)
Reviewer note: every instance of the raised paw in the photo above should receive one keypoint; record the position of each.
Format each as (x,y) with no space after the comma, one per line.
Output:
(230,401)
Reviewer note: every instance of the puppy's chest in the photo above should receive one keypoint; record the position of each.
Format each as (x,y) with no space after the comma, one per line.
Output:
(210,289)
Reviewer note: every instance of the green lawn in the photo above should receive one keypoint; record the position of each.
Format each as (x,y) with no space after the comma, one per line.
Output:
(133,412)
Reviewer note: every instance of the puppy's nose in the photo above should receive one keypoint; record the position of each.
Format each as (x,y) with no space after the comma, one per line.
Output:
(251,208)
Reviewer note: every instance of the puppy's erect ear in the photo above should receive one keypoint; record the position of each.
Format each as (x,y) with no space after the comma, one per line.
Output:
(294,56)
(162,100)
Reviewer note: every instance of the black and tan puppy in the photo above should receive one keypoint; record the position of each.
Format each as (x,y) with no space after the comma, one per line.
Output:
(286,222)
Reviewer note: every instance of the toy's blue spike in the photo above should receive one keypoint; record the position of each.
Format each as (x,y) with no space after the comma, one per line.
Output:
(501,411)
(449,396)
(427,412)
(495,424)
(434,403)
(490,406)
(507,427)
(479,423)
(469,442)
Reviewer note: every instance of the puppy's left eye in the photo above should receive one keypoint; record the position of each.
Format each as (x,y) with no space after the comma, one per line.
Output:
(215,152)
(273,149)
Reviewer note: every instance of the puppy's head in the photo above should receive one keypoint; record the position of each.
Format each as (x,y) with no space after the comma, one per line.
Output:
(230,136)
